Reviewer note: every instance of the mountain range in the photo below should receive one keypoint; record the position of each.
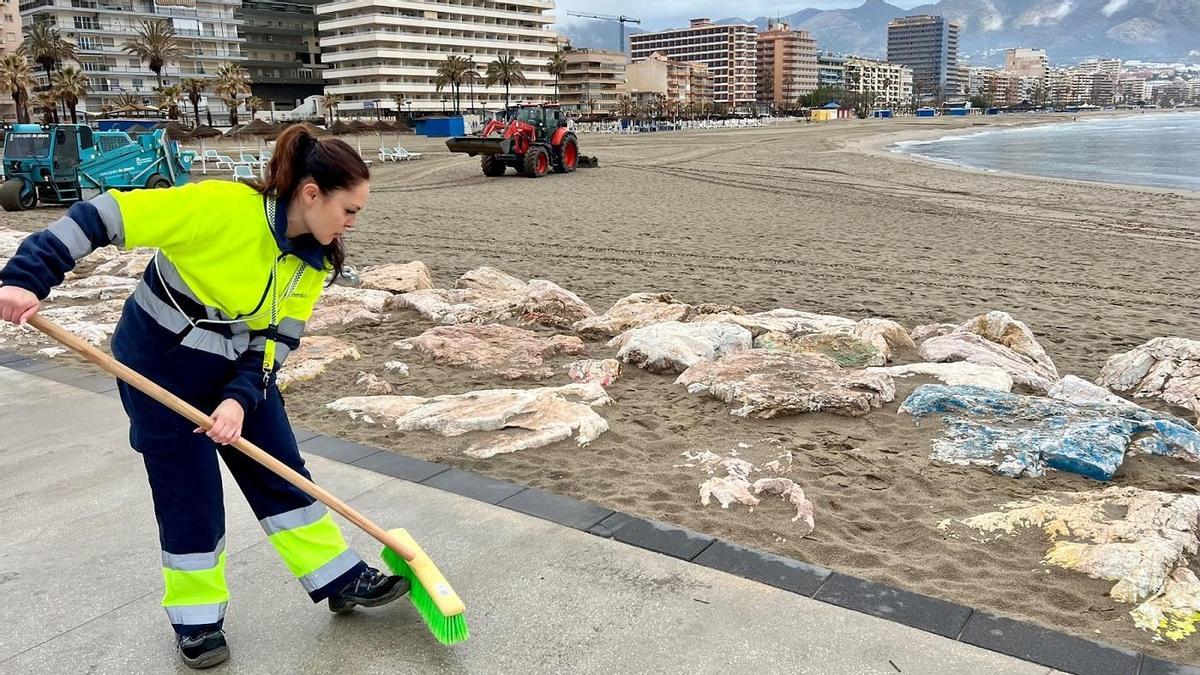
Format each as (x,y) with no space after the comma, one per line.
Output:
(1069,30)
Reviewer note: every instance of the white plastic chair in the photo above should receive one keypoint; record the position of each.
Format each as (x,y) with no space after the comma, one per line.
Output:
(388,155)
(406,155)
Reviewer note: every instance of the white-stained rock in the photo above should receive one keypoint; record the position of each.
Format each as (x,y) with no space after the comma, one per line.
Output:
(113,261)
(995,339)
(954,373)
(372,384)
(488,296)
(372,300)
(887,336)
(728,490)
(511,353)
(311,359)
(1165,368)
(95,287)
(922,333)
(397,367)
(1079,391)
(529,418)
(335,316)
(603,372)
(772,383)
(788,489)
(782,320)
(634,311)
(490,281)
(396,277)
(672,346)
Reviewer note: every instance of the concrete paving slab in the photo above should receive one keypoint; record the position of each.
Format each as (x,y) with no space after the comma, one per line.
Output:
(81,586)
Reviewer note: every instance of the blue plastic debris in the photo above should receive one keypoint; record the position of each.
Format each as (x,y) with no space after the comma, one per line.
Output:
(1021,435)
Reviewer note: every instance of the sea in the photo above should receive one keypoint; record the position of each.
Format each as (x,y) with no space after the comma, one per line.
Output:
(1159,149)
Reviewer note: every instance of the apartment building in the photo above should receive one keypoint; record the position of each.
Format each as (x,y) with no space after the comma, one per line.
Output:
(831,71)
(929,46)
(594,80)
(888,84)
(10,40)
(283,54)
(208,31)
(1024,62)
(683,83)
(728,50)
(385,53)
(786,65)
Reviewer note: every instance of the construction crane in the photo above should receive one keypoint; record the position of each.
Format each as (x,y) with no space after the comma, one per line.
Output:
(620,20)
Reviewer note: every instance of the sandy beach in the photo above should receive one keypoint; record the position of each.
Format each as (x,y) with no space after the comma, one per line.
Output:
(820,218)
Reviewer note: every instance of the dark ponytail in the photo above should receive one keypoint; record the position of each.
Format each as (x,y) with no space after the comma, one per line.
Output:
(330,163)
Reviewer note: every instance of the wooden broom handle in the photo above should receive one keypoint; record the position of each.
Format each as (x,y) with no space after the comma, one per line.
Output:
(154,391)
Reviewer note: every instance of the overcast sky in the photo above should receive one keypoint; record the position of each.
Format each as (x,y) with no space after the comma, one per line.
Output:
(657,14)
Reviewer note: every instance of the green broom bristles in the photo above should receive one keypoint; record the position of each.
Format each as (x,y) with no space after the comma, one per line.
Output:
(448,630)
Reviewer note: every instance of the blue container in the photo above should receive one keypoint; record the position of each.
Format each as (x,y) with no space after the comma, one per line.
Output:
(962,112)
(885,114)
(926,112)
(441,127)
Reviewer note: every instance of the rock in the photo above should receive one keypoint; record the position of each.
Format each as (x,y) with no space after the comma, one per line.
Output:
(490,281)
(311,359)
(1166,369)
(634,311)
(603,372)
(511,353)
(789,321)
(888,337)
(397,367)
(334,316)
(1024,434)
(373,385)
(926,331)
(728,490)
(396,277)
(771,383)
(10,241)
(530,418)
(1141,539)
(969,347)
(791,492)
(846,350)
(94,323)
(954,373)
(1079,391)
(111,260)
(489,296)
(718,308)
(336,294)
(672,346)
(996,339)
(95,287)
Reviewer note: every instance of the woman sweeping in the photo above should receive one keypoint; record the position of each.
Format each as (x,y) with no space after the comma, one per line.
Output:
(223,302)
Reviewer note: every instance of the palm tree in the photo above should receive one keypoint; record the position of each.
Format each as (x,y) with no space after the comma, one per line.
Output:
(450,72)
(168,97)
(506,70)
(70,85)
(156,44)
(231,81)
(194,88)
(625,107)
(557,65)
(331,102)
(471,76)
(126,101)
(47,48)
(16,77)
(254,104)
(48,103)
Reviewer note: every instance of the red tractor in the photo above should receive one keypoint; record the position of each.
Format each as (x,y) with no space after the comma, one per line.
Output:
(530,138)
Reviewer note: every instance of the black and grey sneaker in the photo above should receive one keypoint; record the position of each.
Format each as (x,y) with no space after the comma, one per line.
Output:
(370,589)
(203,650)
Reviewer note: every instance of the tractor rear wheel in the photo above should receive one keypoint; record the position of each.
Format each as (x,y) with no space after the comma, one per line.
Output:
(568,156)
(537,162)
(12,199)
(157,182)
(492,167)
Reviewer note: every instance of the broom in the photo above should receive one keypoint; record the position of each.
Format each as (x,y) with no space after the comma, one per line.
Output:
(431,595)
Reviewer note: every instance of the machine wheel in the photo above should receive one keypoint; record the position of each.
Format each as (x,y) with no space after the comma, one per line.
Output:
(537,162)
(491,166)
(12,199)
(568,157)
(158,181)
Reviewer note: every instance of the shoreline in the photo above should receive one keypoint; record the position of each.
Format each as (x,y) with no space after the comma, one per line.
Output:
(882,147)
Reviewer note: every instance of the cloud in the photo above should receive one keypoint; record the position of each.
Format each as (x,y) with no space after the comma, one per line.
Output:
(1114,6)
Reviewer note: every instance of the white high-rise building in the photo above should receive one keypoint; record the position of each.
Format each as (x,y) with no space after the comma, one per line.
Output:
(385,53)
(729,50)
(208,30)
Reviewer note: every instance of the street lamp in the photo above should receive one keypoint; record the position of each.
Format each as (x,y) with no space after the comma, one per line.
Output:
(443,106)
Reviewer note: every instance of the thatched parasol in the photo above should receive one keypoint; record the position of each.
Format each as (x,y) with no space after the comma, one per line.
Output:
(205,132)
